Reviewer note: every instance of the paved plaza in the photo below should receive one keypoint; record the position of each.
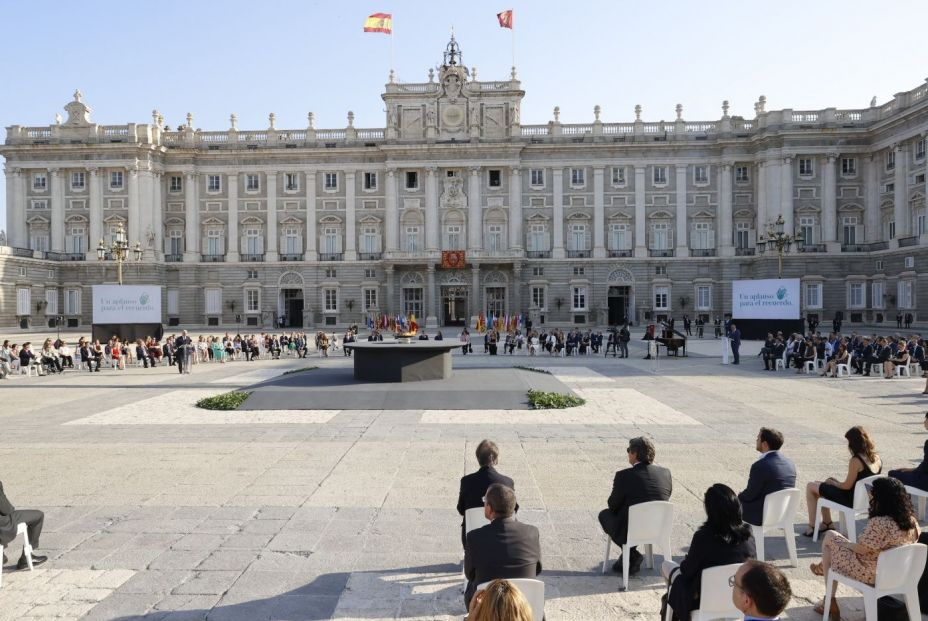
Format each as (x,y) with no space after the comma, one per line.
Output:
(157,510)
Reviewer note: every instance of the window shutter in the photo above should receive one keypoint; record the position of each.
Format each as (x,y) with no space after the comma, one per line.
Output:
(711,238)
(243,244)
(222,244)
(51,301)
(173,298)
(282,243)
(260,244)
(204,244)
(669,238)
(23,301)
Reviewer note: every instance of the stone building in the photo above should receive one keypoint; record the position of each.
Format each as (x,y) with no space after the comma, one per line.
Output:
(571,224)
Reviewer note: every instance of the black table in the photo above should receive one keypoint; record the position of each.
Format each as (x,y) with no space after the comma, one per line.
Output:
(399,361)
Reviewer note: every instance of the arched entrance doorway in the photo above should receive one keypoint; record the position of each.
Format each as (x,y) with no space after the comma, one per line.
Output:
(454,298)
(620,296)
(290,301)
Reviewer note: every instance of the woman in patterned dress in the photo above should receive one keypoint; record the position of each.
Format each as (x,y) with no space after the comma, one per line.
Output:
(892,523)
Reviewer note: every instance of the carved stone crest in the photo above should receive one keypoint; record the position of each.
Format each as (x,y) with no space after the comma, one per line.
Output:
(452,195)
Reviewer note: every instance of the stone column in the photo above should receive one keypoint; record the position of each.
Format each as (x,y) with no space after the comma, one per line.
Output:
(432,243)
(516,306)
(134,232)
(557,186)
(96,213)
(192,217)
(516,238)
(234,243)
(391,214)
(682,245)
(431,321)
(873,225)
(57,211)
(474,212)
(391,300)
(14,214)
(311,237)
(786,195)
(761,188)
(273,234)
(476,295)
(157,215)
(901,213)
(725,241)
(599,215)
(351,237)
(641,247)
(830,204)
(145,191)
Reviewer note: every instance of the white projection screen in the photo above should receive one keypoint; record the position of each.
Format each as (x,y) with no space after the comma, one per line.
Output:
(126,304)
(765,299)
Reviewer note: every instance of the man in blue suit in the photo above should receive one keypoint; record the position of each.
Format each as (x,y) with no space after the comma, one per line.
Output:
(735,335)
(772,472)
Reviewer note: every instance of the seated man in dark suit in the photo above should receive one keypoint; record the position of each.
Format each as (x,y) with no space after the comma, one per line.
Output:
(918,476)
(474,486)
(770,473)
(504,548)
(643,482)
(10,518)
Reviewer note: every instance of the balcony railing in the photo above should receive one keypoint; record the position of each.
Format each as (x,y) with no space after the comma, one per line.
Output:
(618,254)
(23,252)
(578,254)
(53,256)
(370,256)
(173,258)
(905,242)
(251,258)
(812,248)
(744,252)
(702,252)
(331,256)
(538,254)
(213,258)
(659,253)
(290,256)
(65,256)
(883,245)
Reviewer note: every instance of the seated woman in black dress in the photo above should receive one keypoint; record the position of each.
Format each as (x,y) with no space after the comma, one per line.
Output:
(864,463)
(918,476)
(723,539)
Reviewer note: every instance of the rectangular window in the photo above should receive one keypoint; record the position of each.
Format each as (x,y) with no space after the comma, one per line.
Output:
(920,149)
(370,299)
(330,300)
(177,184)
(330,181)
(39,181)
(579,298)
(920,224)
(213,301)
(538,297)
(618,175)
(51,301)
(703,297)
(116,179)
(252,183)
(890,159)
(412,301)
(891,229)
(173,302)
(252,300)
(660,175)
(370,181)
(579,271)
(330,272)
(39,241)
(537,238)
(40,204)
(807,229)
(876,294)
(24,301)
(252,241)
(577,238)
(214,241)
(370,273)
(412,239)
(741,174)
(77,181)
(848,166)
(331,241)
(76,237)
(72,302)
(849,224)
(905,293)
(175,242)
(660,236)
(805,167)
(495,178)
(291,240)
(855,295)
(619,237)
(702,236)
(577,177)
(813,291)
(743,235)
(700,174)
(537,177)
(412,180)
(538,271)
(370,241)
(213,183)
(292,182)
(661,298)
(495,237)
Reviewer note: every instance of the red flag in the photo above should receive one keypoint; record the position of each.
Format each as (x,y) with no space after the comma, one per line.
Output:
(505,19)
(379,22)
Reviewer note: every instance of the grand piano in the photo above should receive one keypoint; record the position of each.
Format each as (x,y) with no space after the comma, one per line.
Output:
(673,340)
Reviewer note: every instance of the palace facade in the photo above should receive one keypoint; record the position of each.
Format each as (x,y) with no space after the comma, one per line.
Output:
(572,224)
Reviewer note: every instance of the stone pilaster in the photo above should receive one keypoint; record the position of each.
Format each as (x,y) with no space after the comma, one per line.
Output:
(311,235)
(682,245)
(474,211)
(391,214)
(901,212)
(786,195)
(273,233)
(830,204)
(516,236)
(641,247)
(432,242)
(192,217)
(96,213)
(232,248)
(599,216)
(351,236)
(57,210)
(725,241)
(557,185)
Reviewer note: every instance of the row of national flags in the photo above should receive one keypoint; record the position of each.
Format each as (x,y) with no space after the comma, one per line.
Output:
(502,323)
(383,22)
(393,323)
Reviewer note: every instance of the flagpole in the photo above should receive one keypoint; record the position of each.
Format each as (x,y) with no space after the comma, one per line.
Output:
(513,31)
(391,46)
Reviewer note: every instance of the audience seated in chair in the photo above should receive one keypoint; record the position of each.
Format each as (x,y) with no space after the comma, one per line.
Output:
(10,518)
(918,476)
(724,538)
(643,482)
(760,590)
(892,523)
(474,486)
(500,601)
(840,357)
(771,473)
(864,462)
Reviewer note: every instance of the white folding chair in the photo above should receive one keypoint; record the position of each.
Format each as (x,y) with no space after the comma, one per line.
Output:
(649,524)
(874,366)
(780,364)
(810,365)
(915,369)
(473,518)
(27,548)
(903,369)
(820,363)
(714,596)
(532,589)
(921,496)
(779,509)
(847,515)
(842,370)
(898,571)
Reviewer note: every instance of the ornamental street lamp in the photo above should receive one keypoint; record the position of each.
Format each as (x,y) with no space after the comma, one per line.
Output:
(119,250)
(777,239)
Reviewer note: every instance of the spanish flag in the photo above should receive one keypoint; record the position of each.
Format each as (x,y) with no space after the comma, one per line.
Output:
(505,19)
(379,22)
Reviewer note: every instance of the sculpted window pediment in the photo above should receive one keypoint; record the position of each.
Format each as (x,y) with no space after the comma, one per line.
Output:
(174,222)
(290,278)
(253,221)
(75,219)
(538,219)
(291,220)
(495,216)
(620,274)
(886,205)
(744,213)
(114,219)
(578,216)
(495,277)
(850,207)
(452,278)
(704,214)
(330,220)
(661,215)
(412,278)
(213,222)
(808,208)
(37,221)
(620,215)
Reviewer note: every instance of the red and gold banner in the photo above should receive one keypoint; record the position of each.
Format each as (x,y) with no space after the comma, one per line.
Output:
(452,259)
(379,22)
(505,19)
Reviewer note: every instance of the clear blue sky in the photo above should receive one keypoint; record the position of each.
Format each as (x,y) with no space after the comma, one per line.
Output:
(289,57)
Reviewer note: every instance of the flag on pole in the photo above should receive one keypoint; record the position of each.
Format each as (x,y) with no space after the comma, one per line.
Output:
(380,22)
(505,19)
